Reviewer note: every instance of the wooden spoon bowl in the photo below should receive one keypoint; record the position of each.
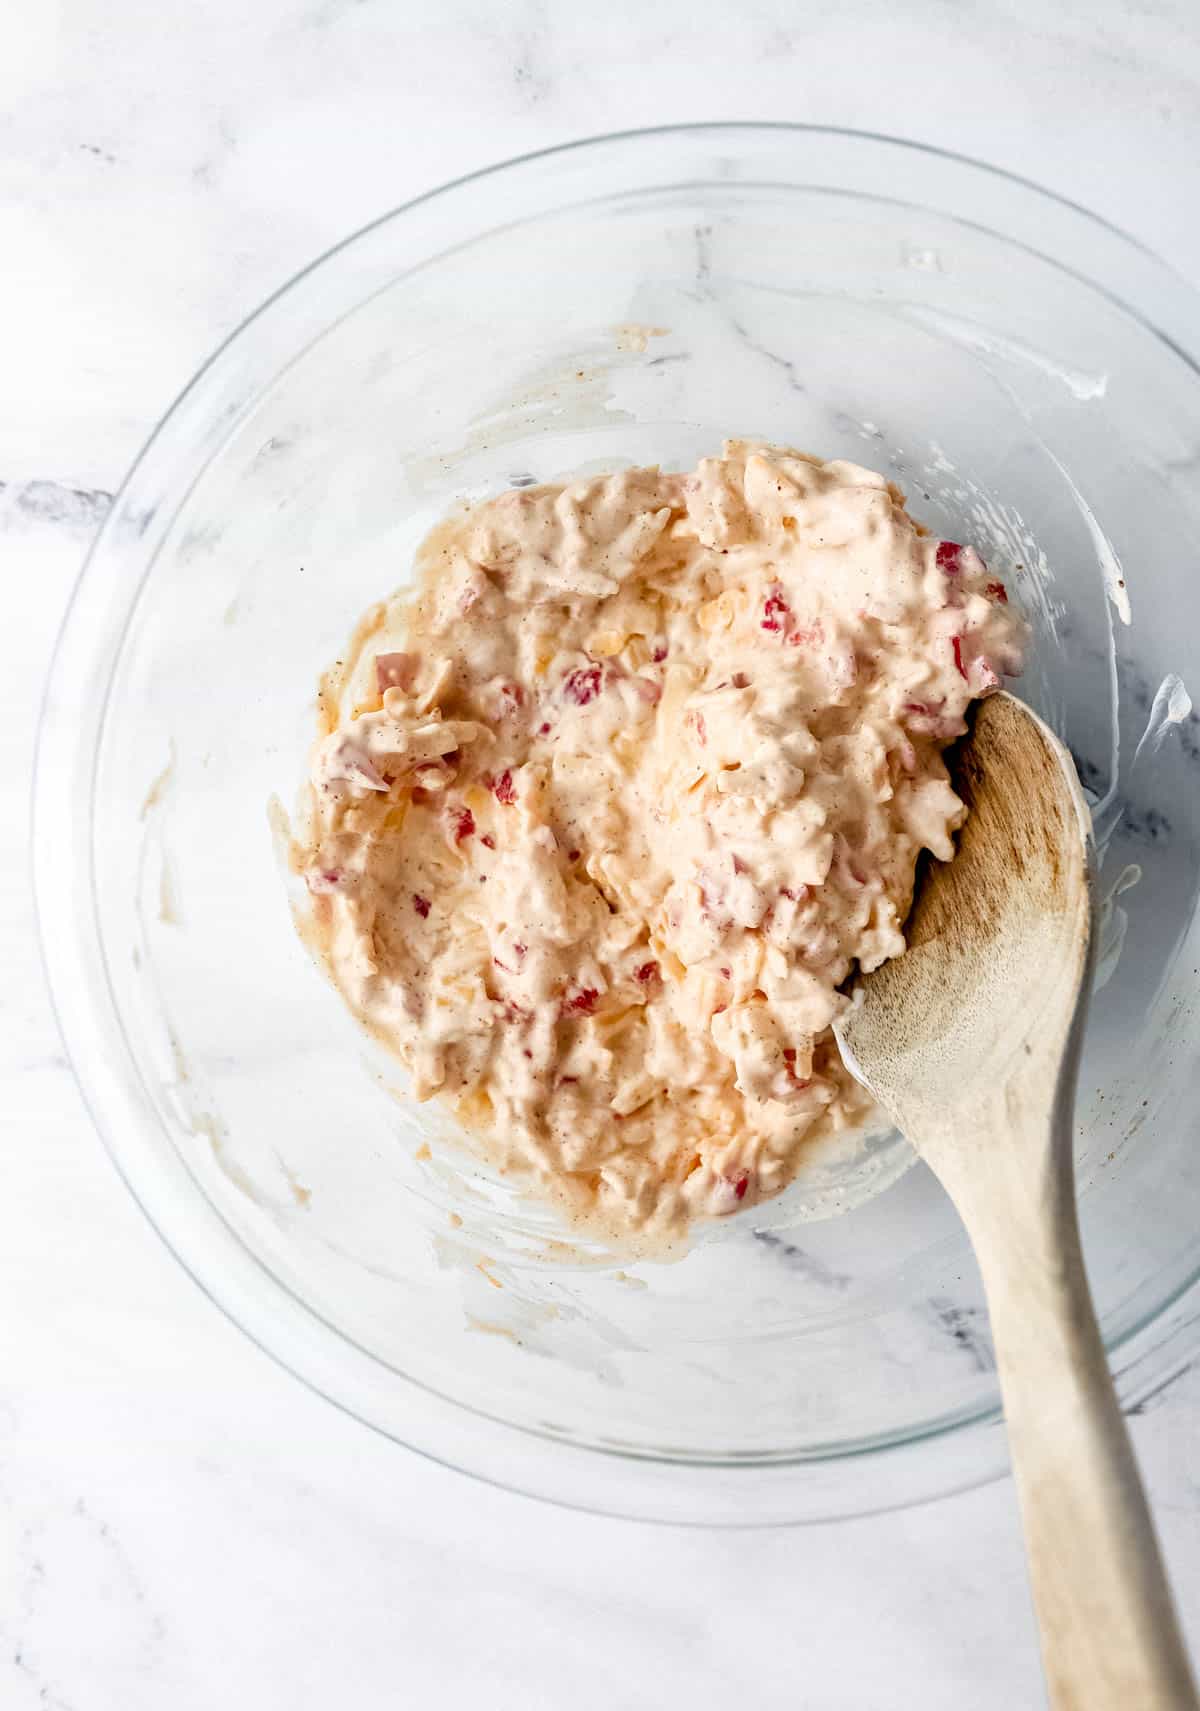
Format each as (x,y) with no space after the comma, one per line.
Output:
(971,1041)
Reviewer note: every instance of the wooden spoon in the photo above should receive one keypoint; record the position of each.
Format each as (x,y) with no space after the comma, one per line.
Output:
(971,1041)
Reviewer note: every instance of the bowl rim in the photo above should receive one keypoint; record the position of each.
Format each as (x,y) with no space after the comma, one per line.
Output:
(53,806)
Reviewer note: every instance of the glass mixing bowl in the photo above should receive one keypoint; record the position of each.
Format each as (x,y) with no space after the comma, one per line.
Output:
(1027,374)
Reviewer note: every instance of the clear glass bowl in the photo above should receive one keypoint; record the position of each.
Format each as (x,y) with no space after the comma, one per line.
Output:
(1028,375)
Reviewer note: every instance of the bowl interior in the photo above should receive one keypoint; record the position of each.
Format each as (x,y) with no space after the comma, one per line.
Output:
(638,304)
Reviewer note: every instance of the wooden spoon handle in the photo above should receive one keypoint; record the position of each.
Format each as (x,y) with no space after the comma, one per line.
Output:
(1110,1636)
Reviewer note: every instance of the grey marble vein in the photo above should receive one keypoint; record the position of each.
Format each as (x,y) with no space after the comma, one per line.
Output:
(58,503)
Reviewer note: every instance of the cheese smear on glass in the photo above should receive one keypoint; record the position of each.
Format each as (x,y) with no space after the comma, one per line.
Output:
(606,810)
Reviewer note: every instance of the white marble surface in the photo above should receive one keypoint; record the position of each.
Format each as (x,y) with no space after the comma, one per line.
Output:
(183,1524)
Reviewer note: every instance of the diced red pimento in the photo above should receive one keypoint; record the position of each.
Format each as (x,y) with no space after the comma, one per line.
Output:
(777,613)
(488,842)
(395,671)
(503,788)
(729,1190)
(421,905)
(543,729)
(324,880)
(997,591)
(930,719)
(581,1003)
(789,1059)
(462,824)
(660,653)
(949,557)
(583,684)
(647,973)
(956,643)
